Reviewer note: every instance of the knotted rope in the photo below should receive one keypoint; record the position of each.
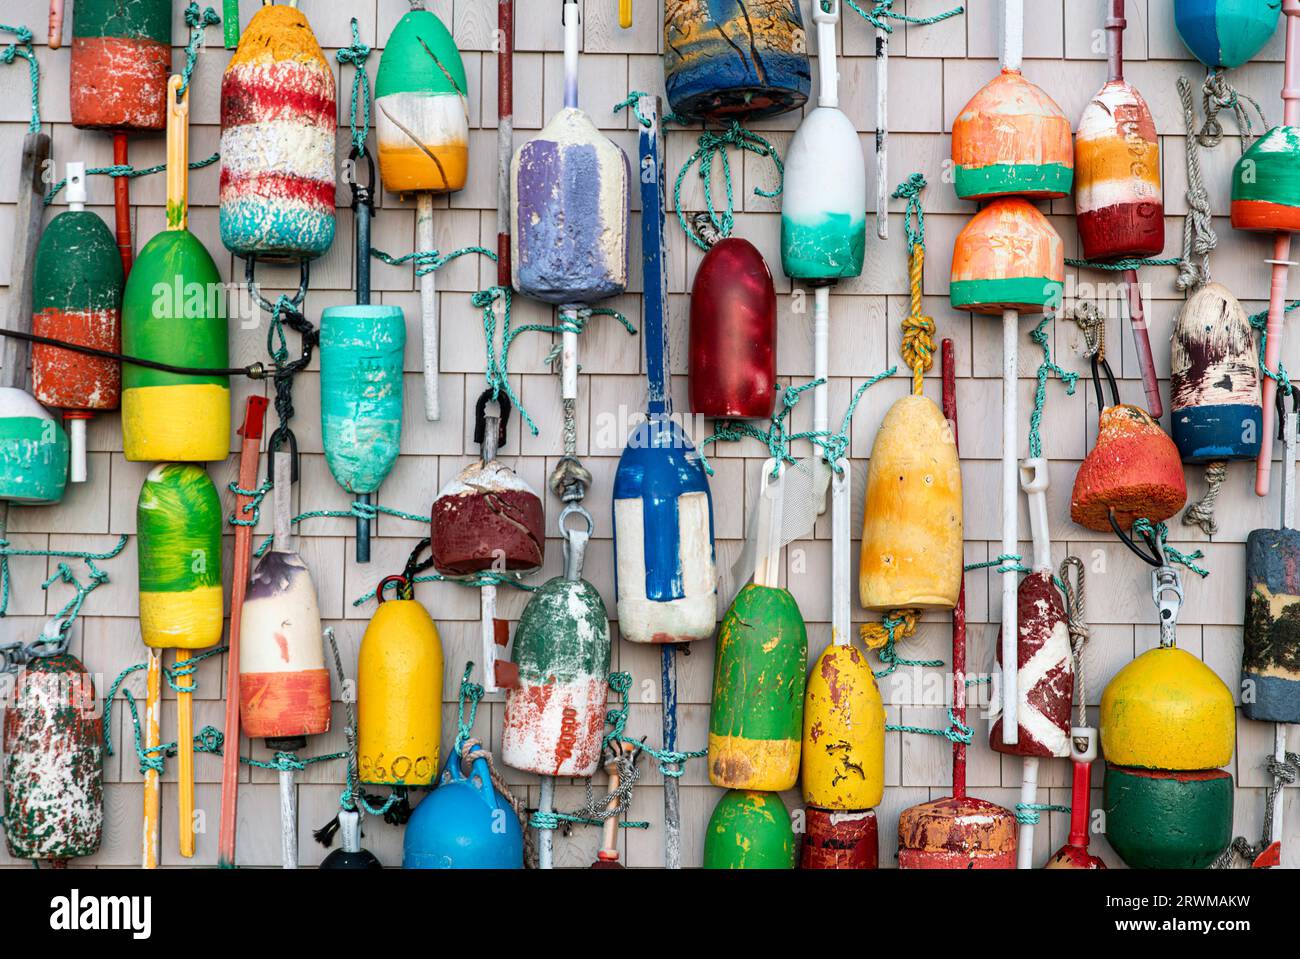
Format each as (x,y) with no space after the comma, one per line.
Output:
(126,170)
(883,12)
(1046,368)
(1285,773)
(355,53)
(715,144)
(196,21)
(918,330)
(1199,238)
(1072,588)
(1201,513)
(63,573)
(22,47)
(1217,94)
(1160,532)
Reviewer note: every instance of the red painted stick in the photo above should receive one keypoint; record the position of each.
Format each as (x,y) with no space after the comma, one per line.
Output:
(249,453)
(959,611)
(122,204)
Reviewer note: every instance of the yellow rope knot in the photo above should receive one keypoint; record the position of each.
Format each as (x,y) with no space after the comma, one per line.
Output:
(898,624)
(918,330)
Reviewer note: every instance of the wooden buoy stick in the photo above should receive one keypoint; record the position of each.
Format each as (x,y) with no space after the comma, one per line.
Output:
(152,740)
(1273,854)
(1281,260)
(55,37)
(841,560)
(569,315)
(668,726)
(545,837)
(428,306)
(122,205)
(282,516)
(607,855)
(949,370)
(14,353)
(249,454)
(185,755)
(625,14)
(1010,522)
(505,140)
(882,133)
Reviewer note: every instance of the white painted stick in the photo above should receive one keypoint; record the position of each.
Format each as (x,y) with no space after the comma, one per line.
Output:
(487,624)
(821,357)
(428,307)
(1279,754)
(1028,796)
(545,838)
(882,134)
(1013,34)
(767,572)
(841,558)
(1010,523)
(288,821)
(569,354)
(827,72)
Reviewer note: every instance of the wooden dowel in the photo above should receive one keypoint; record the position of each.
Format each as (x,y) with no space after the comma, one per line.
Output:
(185,757)
(152,740)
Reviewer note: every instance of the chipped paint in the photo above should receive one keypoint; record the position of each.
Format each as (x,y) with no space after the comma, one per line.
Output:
(399,696)
(120,60)
(952,833)
(487,517)
(1133,469)
(843,755)
(749,830)
(53,765)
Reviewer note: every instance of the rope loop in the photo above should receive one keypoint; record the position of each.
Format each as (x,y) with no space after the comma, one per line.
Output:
(630,103)
(196,20)
(355,53)
(883,12)
(1045,369)
(715,144)
(22,47)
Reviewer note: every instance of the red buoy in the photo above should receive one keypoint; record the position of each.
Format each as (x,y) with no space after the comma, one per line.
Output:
(840,840)
(733,334)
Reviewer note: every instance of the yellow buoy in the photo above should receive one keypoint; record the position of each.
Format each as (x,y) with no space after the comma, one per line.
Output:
(1167,710)
(399,696)
(912,530)
(843,765)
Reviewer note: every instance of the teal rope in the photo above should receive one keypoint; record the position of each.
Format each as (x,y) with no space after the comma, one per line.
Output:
(470,692)
(1160,531)
(188,669)
(473,581)
(913,216)
(355,511)
(62,574)
(671,761)
(883,12)
(630,103)
(956,732)
(1123,266)
(22,47)
(126,170)
(889,652)
(286,761)
(1028,812)
(1260,322)
(1045,368)
(575,321)
(356,54)
(206,740)
(196,21)
(713,144)
(1005,563)
(426,261)
(835,446)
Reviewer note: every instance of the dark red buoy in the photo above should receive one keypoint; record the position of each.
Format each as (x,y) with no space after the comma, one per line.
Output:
(733,334)
(840,840)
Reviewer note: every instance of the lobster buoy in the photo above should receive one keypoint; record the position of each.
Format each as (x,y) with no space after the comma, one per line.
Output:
(665,574)
(464,824)
(733,334)
(1269,662)
(1225,33)
(1264,198)
(121,55)
(179,521)
(569,221)
(1133,471)
(33,450)
(361,351)
(1117,176)
(749,830)
(488,517)
(555,716)
(1167,710)
(1008,257)
(1012,139)
(350,855)
(843,754)
(759,676)
(824,200)
(1045,673)
(278,120)
(834,839)
(77,298)
(1214,379)
(957,832)
(422,108)
(721,63)
(284,687)
(912,526)
(399,695)
(53,761)
(1159,819)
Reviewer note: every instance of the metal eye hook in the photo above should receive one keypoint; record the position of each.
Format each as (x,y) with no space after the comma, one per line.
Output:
(1167,592)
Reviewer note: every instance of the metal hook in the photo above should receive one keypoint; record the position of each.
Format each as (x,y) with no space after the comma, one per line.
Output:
(1167,593)
(575,540)
(363,194)
(304,277)
(480,416)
